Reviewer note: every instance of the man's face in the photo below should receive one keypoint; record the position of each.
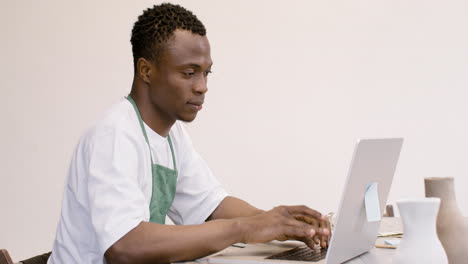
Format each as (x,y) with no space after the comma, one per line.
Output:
(178,87)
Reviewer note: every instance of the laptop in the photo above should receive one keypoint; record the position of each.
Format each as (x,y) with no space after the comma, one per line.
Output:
(358,217)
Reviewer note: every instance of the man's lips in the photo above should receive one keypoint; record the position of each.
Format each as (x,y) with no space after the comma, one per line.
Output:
(195,105)
(198,103)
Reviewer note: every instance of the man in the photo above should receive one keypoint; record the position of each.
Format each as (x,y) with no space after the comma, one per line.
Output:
(137,165)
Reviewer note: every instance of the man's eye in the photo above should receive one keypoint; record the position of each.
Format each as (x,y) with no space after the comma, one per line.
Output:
(207,72)
(188,74)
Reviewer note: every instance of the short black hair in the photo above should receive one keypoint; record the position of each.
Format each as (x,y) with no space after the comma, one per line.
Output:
(156,26)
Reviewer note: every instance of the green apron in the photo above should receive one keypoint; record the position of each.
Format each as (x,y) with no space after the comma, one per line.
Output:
(164,180)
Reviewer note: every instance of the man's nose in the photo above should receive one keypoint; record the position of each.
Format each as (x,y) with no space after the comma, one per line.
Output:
(201,86)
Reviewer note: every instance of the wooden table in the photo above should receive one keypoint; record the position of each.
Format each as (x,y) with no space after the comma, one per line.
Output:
(374,256)
(381,255)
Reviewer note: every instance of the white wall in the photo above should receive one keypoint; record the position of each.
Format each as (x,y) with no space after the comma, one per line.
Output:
(294,84)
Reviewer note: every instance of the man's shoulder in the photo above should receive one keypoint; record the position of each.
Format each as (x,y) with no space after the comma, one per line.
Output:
(119,119)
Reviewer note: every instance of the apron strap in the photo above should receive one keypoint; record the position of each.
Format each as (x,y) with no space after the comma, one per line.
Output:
(172,152)
(129,98)
(140,120)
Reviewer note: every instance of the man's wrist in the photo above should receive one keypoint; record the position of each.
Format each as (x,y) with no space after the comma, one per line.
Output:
(241,229)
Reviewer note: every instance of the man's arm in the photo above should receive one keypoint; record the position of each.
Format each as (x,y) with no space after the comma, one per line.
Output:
(232,207)
(156,243)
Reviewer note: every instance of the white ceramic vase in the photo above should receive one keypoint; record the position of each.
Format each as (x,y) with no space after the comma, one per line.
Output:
(452,226)
(420,243)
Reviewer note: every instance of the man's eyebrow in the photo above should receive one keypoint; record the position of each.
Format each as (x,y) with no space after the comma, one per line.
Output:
(194,65)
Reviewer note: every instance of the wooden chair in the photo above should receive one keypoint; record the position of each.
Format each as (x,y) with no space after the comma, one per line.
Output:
(5,257)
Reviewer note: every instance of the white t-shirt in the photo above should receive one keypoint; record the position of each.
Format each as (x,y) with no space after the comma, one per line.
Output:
(108,189)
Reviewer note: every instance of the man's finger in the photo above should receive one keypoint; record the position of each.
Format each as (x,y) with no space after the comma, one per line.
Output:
(298,233)
(322,227)
(292,222)
(310,243)
(304,210)
(323,241)
(325,238)
(309,220)
(316,240)
(327,225)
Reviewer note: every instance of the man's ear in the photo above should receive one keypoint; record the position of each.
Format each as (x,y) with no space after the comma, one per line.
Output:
(144,69)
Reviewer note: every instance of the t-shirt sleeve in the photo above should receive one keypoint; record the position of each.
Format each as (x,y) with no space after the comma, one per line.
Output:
(198,191)
(116,201)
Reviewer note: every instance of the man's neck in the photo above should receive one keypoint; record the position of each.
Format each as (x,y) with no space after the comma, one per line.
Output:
(157,120)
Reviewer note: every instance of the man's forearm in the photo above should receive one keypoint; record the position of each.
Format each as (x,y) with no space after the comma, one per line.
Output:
(155,243)
(232,207)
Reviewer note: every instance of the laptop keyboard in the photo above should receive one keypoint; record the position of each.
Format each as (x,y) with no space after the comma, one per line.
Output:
(302,253)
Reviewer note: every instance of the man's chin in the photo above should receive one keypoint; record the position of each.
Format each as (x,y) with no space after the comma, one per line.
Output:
(187,118)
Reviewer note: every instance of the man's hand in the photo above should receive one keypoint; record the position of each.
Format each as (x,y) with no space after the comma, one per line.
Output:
(285,223)
(324,223)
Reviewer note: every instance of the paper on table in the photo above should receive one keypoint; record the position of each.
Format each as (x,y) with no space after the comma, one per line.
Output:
(390,234)
(392,242)
(371,202)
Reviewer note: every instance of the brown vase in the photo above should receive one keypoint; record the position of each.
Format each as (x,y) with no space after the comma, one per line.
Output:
(452,226)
